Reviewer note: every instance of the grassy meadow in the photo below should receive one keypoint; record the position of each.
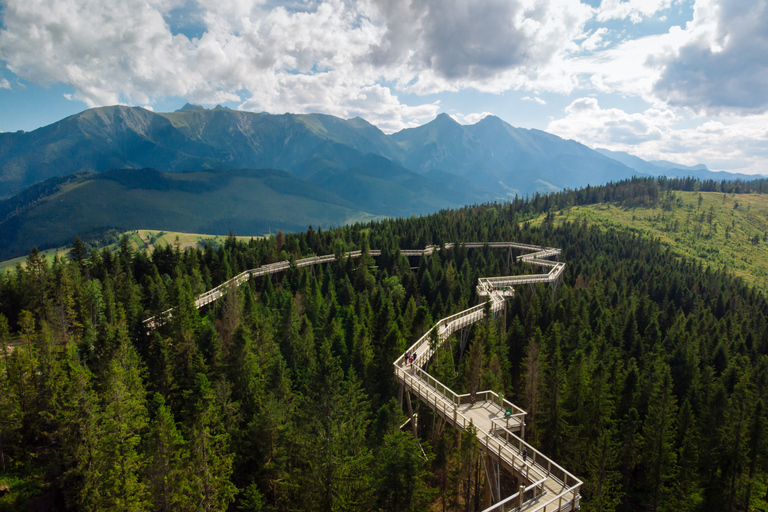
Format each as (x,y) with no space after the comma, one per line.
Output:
(720,230)
(141,240)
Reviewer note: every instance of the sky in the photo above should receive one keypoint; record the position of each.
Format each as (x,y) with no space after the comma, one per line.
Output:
(678,80)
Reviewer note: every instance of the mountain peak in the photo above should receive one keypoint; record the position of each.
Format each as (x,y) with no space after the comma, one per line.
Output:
(490,120)
(190,106)
(443,117)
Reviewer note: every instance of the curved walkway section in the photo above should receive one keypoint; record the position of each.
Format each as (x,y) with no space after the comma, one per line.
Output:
(547,486)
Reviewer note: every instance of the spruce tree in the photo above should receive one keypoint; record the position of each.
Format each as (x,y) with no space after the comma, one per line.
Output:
(657,452)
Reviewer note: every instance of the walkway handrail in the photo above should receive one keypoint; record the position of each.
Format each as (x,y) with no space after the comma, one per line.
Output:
(217,292)
(510,446)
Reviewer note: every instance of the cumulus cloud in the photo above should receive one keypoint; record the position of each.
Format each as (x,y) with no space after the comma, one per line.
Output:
(458,40)
(596,39)
(634,10)
(735,144)
(587,122)
(535,99)
(333,56)
(724,65)
(4,83)
(473,118)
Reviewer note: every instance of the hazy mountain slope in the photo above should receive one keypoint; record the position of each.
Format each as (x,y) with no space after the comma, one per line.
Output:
(381,186)
(211,202)
(631,161)
(94,140)
(497,158)
(504,159)
(247,139)
(131,137)
(671,169)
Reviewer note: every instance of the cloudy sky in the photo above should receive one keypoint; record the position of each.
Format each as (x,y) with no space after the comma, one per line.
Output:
(682,80)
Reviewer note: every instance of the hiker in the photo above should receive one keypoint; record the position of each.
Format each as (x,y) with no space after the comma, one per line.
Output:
(525,454)
(407,357)
(413,358)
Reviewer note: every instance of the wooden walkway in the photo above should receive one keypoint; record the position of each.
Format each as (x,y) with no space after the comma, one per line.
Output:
(548,487)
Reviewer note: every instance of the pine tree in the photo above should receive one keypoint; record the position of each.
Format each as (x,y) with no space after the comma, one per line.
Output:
(332,464)
(657,451)
(10,412)
(114,478)
(166,458)
(209,465)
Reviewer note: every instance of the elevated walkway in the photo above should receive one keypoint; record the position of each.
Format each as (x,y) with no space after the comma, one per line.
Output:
(547,486)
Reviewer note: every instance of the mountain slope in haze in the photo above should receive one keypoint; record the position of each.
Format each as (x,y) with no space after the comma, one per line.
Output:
(210,202)
(494,156)
(672,169)
(499,160)
(381,186)
(499,157)
(246,202)
(131,137)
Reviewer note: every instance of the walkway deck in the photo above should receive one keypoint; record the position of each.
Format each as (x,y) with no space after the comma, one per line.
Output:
(548,487)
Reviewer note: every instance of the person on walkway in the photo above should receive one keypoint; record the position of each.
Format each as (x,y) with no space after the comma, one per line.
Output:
(407,358)
(525,454)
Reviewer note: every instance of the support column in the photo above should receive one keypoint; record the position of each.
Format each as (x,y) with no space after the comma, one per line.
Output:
(490,496)
(438,429)
(410,414)
(498,483)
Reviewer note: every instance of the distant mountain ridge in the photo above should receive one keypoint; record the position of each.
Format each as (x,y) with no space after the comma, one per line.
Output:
(497,158)
(329,170)
(672,169)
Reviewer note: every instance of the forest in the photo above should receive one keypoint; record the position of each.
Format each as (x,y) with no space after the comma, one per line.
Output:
(643,374)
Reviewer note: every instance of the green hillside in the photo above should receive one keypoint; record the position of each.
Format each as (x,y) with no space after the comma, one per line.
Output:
(139,239)
(642,373)
(722,230)
(245,202)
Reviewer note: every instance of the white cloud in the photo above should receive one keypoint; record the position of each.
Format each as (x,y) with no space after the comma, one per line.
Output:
(472,118)
(631,67)
(723,67)
(535,99)
(635,10)
(587,122)
(595,40)
(4,83)
(332,56)
(733,144)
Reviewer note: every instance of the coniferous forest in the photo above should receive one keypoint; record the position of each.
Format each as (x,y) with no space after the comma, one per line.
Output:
(643,374)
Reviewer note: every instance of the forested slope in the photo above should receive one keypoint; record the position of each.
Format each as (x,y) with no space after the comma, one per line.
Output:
(646,375)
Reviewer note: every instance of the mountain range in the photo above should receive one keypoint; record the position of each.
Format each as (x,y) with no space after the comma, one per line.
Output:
(298,169)
(496,157)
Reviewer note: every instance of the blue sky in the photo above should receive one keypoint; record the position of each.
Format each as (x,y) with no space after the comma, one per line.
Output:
(681,80)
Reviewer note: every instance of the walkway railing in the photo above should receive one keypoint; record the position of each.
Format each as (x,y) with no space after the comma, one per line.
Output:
(552,488)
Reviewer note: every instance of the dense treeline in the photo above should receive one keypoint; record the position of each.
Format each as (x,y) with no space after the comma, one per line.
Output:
(644,375)
(632,192)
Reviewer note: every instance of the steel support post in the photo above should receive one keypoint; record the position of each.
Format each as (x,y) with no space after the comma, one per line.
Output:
(410,414)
